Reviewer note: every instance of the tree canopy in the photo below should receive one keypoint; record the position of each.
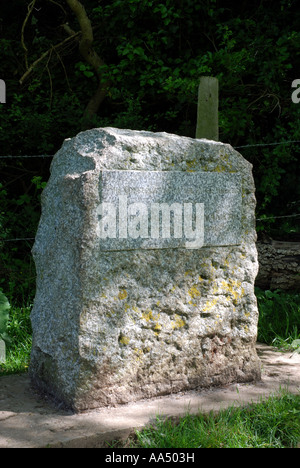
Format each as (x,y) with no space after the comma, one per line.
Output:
(70,65)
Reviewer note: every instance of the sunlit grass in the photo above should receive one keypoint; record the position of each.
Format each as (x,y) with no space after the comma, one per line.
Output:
(271,423)
(19,347)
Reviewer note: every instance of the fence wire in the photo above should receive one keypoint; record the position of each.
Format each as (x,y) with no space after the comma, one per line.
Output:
(268,144)
(235,147)
(288,142)
(257,219)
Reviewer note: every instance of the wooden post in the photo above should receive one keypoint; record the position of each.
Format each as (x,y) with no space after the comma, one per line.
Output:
(2,92)
(2,351)
(208,108)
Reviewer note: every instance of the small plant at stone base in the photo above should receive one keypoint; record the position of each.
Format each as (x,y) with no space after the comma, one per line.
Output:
(20,339)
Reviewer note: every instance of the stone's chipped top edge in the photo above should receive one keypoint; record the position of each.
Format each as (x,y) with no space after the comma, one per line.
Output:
(79,147)
(123,131)
(132,132)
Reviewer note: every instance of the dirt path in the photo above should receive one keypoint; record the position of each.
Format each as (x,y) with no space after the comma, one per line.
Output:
(27,421)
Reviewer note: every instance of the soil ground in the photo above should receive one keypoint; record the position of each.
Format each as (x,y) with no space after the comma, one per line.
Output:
(29,421)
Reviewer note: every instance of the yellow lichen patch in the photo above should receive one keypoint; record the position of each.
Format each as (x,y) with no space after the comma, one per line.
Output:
(194,292)
(110,313)
(122,294)
(124,340)
(178,322)
(148,315)
(210,305)
(233,288)
(188,273)
(138,354)
(194,304)
(191,165)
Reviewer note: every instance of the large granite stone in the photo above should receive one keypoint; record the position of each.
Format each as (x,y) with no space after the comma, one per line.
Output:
(119,316)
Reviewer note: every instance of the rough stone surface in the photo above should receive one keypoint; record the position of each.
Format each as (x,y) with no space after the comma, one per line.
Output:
(111,327)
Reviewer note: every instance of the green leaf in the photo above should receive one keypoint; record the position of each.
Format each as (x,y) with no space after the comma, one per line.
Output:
(88,74)
(296,346)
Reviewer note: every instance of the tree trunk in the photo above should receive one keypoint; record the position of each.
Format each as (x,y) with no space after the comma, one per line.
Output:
(89,54)
(279,265)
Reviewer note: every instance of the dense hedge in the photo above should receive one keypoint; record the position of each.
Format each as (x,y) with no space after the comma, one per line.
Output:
(153,54)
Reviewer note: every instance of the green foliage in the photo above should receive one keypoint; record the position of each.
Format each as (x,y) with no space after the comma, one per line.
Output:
(20,341)
(19,216)
(154,54)
(279,317)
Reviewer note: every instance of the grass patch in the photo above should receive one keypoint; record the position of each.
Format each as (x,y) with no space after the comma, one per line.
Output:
(20,339)
(271,423)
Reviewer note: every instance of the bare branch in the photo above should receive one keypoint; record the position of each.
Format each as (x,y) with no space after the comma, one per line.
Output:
(90,55)
(68,29)
(51,84)
(85,39)
(64,69)
(30,8)
(45,54)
